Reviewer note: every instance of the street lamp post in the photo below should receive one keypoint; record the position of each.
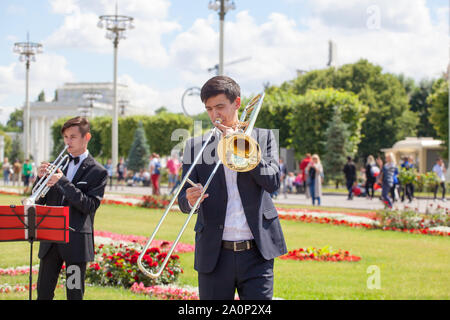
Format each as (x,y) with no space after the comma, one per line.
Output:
(90,97)
(222,6)
(116,25)
(27,52)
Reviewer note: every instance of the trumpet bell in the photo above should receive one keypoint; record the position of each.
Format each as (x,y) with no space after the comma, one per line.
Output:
(239,152)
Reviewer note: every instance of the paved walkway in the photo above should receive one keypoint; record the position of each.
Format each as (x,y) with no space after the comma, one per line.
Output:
(327,200)
(338,200)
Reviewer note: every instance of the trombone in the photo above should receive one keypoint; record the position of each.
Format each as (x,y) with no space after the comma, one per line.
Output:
(40,189)
(238,151)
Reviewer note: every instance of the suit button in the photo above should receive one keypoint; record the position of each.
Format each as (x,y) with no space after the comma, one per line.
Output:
(221,226)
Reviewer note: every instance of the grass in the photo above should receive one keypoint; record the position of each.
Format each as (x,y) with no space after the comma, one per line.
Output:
(411,266)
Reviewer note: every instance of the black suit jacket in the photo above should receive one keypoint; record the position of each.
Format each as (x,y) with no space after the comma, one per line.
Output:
(254,187)
(83,196)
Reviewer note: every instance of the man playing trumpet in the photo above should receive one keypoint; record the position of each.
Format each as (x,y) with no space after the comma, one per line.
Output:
(80,187)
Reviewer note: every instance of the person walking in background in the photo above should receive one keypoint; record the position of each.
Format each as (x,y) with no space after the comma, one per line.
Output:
(386,177)
(371,173)
(314,171)
(350,176)
(408,188)
(173,166)
(27,172)
(121,172)
(303,166)
(155,171)
(109,169)
(440,170)
(17,168)
(6,167)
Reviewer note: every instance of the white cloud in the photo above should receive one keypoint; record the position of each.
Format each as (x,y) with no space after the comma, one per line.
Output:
(399,15)
(144,96)
(79,29)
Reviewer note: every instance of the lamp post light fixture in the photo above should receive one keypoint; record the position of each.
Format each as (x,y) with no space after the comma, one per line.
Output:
(222,6)
(116,26)
(27,52)
(122,106)
(90,97)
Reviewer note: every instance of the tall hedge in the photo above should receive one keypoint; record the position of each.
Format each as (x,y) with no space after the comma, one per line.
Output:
(158,131)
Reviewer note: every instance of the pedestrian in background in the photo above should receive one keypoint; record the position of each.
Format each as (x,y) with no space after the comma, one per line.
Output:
(350,176)
(303,166)
(386,178)
(440,170)
(314,171)
(371,173)
(155,171)
(6,167)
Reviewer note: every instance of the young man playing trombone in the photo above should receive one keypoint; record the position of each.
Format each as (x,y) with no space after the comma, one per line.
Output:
(80,187)
(238,233)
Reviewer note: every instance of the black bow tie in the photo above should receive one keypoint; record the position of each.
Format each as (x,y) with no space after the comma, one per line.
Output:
(75,159)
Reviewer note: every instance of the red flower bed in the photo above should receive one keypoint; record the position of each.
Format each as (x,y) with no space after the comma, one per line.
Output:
(323,254)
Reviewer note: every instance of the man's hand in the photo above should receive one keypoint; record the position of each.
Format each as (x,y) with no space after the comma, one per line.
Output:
(193,193)
(55,178)
(42,171)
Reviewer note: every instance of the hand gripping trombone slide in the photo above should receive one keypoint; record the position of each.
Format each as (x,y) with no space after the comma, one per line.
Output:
(238,151)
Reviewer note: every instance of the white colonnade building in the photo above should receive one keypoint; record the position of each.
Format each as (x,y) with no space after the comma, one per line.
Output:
(70,101)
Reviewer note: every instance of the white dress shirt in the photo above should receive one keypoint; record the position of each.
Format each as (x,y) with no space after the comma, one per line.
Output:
(72,168)
(236,227)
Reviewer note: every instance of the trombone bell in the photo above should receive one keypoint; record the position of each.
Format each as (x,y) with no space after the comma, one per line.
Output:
(239,152)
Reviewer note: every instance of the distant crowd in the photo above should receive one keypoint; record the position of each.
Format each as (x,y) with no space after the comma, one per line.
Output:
(374,175)
(149,177)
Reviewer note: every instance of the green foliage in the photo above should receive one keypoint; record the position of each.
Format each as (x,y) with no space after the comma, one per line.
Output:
(389,118)
(439,110)
(337,148)
(158,132)
(16,151)
(313,113)
(15,121)
(139,152)
(276,112)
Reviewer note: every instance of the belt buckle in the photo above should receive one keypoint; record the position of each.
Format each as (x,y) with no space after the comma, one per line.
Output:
(235,245)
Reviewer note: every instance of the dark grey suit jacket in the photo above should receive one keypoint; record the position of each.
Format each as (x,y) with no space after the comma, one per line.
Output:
(254,187)
(83,196)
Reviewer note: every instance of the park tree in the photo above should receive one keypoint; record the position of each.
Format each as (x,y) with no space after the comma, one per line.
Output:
(439,103)
(15,121)
(276,112)
(313,112)
(16,151)
(389,118)
(139,151)
(419,104)
(337,148)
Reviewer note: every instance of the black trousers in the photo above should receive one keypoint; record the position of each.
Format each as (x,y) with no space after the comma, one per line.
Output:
(442,184)
(245,271)
(49,269)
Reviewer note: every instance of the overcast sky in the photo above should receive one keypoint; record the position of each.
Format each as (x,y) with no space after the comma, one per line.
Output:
(175,42)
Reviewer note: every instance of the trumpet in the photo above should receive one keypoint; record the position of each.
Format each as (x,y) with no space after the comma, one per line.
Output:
(238,151)
(40,189)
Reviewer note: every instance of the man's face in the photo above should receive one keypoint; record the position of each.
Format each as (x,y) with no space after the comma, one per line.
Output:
(220,107)
(77,143)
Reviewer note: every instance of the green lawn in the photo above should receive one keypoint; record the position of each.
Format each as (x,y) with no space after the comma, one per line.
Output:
(411,266)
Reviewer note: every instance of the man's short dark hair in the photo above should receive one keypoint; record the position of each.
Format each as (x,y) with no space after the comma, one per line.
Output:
(80,122)
(218,85)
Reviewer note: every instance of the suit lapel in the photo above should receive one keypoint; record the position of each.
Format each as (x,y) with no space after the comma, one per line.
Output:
(82,169)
